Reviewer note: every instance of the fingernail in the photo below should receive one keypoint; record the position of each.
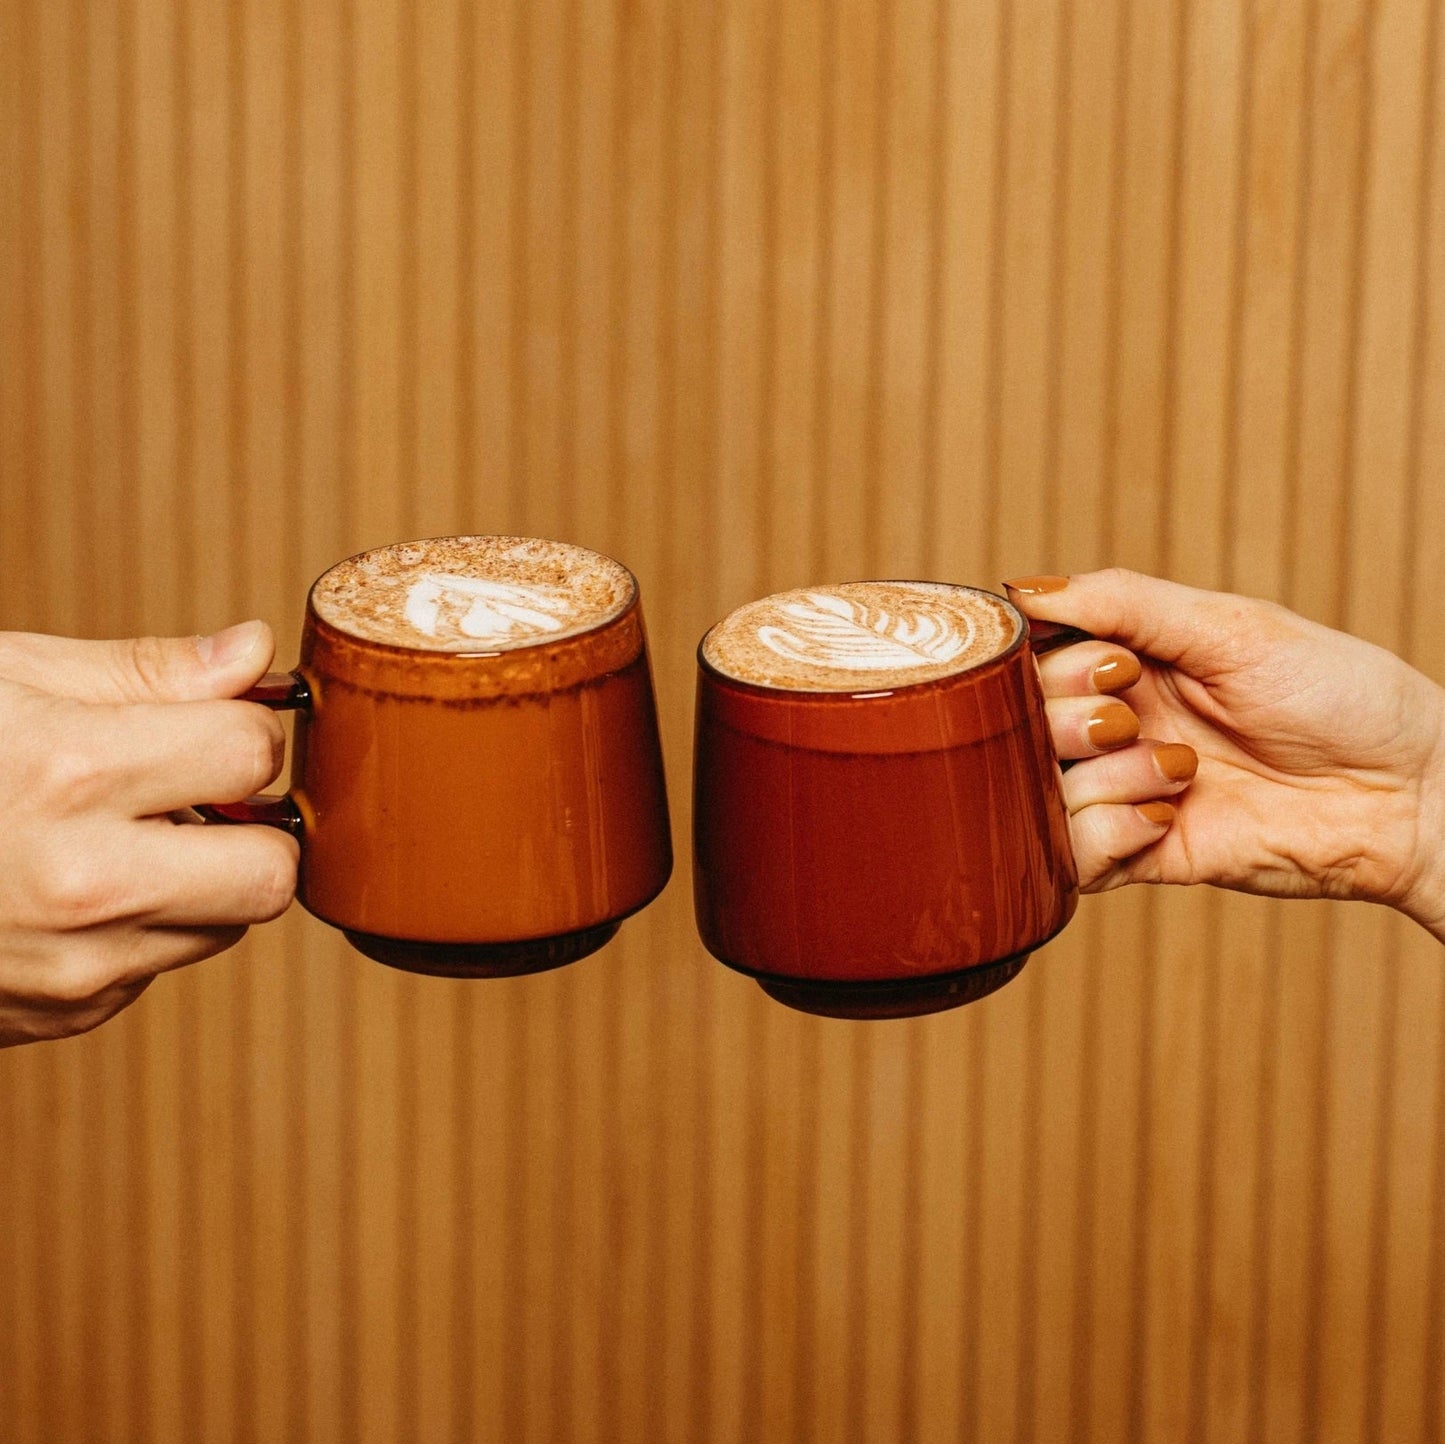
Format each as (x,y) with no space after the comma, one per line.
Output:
(1112,726)
(1032,586)
(1117,673)
(1159,813)
(222,648)
(1176,762)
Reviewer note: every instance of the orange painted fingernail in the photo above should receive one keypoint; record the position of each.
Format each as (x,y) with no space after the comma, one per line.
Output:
(1032,586)
(1116,674)
(1159,813)
(1176,761)
(1112,725)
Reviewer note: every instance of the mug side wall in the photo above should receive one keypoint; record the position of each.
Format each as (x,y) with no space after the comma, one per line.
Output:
(476,815)
(878,862)
(919,717)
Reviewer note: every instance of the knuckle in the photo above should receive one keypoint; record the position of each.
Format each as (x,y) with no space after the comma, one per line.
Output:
(251,746)
(144,667)
(1266,613)
(73,892)
(72,778)
(261,745)
(1091,860)
(1119,576)
(1087,826)
(273,880)
(82,977)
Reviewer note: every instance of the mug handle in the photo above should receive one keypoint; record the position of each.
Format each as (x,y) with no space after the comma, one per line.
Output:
(281,692)
(1050,636)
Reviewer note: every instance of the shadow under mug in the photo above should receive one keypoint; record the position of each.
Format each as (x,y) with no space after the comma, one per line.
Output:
(886,854)
(472,815)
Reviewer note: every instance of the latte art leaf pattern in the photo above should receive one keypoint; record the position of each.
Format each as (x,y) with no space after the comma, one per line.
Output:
(442,605)
(830,631)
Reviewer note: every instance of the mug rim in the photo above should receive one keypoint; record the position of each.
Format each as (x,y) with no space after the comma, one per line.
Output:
(762,689)
(550,640)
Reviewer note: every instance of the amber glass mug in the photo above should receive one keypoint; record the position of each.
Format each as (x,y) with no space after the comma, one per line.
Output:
(867,845)
(477,780)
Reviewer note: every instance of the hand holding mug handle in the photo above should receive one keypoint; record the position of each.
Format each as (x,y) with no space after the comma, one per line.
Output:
(1125,799)
(280,692)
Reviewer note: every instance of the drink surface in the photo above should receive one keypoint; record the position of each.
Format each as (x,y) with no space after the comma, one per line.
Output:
(861,636)
(472,594)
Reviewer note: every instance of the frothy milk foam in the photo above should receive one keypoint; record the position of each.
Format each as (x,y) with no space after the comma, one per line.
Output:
(472,593)
(858,636)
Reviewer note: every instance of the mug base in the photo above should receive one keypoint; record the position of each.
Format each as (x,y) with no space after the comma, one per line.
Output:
(892,998)
(483,960)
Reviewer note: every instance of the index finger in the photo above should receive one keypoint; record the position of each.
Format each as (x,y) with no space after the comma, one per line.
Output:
(1163,619)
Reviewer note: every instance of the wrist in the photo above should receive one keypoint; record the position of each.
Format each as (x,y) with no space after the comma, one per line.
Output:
(1424,899)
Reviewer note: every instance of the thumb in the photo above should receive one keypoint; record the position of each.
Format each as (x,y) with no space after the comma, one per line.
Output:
(140,669)
(1200,631)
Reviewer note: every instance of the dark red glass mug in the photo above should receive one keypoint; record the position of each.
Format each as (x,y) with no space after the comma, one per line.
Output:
(480,812)
(882,852)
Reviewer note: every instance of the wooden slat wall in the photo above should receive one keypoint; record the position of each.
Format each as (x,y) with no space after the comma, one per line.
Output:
(747,293)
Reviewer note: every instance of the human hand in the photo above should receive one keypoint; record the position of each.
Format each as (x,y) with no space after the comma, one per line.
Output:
(1321,758)
(100,889)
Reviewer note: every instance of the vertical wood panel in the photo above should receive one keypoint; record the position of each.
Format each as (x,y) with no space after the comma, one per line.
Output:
(1074,1098)
(747,294)
(17,103)
(432,118)
(1198,1285)
(27,279)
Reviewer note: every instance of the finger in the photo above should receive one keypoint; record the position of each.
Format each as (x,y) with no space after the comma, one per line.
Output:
(140,669)
(207,877)
(35,1021)
(104,968)
(1086,727)
(88,876)
(156,758)
(1143,772)
(170,948)
(1162,619)
(1099,668)
(1110,834)
(121,968)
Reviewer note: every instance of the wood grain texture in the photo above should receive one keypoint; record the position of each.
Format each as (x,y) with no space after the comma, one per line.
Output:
(747,294)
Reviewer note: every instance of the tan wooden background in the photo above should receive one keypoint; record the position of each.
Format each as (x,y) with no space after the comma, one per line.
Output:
(749,293)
